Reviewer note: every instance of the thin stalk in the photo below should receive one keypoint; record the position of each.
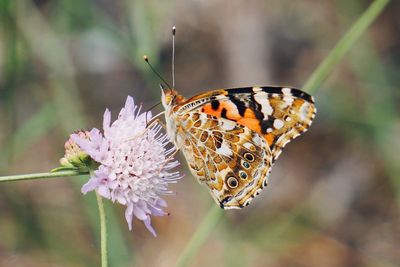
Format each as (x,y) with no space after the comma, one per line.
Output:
(201,234)
(345,43)
(32,176)
(103,231)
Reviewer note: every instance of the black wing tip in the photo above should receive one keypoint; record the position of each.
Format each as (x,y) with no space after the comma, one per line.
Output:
(301,94)
(294,91)
(272,90)
(240,90)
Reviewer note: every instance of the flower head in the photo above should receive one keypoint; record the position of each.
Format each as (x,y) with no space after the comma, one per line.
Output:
(135,163)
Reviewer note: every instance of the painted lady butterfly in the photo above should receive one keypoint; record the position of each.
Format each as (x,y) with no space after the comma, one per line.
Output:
(232,137)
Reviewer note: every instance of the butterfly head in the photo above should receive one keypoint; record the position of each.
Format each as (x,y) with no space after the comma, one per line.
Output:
(170,98)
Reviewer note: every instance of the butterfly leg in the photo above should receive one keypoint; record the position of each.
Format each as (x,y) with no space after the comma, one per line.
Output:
(153,123)
(155,118)
(173,154)
(157,121)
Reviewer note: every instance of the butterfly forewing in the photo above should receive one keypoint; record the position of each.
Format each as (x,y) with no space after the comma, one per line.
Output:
(280,114)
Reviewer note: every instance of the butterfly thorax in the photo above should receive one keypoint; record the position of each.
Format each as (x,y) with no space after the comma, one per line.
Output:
(171,100)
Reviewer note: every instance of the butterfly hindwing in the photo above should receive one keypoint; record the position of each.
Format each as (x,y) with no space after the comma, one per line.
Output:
(231,159)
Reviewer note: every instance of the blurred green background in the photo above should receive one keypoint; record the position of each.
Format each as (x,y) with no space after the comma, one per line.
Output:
(334,194)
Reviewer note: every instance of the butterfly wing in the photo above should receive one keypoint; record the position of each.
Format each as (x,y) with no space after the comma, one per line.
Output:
(231,159)
(279,114)
(231,137)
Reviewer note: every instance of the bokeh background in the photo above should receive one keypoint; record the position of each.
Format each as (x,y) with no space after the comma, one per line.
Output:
(333,198)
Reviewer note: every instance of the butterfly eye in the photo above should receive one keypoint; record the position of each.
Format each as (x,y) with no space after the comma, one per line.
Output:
(243,174)
(249,157)
(245,164)
(232,182)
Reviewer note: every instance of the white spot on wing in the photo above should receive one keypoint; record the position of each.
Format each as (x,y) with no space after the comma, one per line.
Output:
(224,150)
(288,100)
(203,118)
(278,124)
(287,96)
(257,140)
(228,125)
(248,146)
(287,91)
(262,99)
(304,111)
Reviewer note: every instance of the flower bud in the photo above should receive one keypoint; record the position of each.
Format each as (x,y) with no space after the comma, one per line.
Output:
(75,157)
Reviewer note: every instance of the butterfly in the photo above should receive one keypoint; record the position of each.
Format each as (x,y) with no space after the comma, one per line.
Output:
(231,137)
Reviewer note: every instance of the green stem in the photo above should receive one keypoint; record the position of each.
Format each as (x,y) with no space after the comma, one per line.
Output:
(31,176)
(103,231)
(345,43)
(202,232)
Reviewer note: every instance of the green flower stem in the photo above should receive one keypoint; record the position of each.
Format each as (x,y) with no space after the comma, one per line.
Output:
(32,176)
(103,231)
(313,83)
(202,232)
(345,43)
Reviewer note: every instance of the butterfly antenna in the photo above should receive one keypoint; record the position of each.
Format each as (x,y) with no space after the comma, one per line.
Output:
(173,56)
(154,106)
(146,58)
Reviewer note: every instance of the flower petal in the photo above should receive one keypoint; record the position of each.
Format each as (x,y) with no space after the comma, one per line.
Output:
(147,223)
(103,191)
(139,212)
(129,216)
(106,121)
(91,185)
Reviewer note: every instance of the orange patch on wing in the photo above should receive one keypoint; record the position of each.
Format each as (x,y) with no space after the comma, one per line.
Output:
(249,114)
(208,110)
(270,138)
(249,119)
(250,123)
(297,103)
(231,110)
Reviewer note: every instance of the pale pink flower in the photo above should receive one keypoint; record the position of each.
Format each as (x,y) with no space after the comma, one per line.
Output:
(135,163)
